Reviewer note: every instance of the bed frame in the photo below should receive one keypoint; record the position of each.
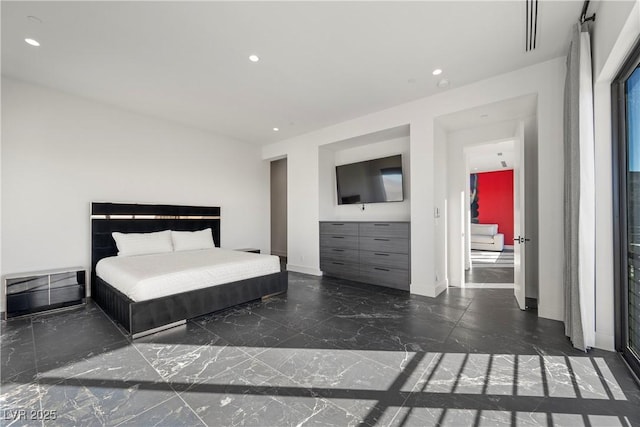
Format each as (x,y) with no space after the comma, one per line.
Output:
(144,317)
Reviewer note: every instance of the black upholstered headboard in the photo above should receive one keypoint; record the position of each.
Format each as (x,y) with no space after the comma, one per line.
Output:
(137,218)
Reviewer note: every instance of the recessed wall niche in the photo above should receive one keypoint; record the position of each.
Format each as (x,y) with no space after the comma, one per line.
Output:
(375,145)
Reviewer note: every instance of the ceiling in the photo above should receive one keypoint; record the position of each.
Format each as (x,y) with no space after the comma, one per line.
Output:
(501,117)
(488,157)
(321,62)
(508,110)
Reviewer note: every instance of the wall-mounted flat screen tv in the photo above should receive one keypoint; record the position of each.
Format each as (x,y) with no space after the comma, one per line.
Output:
(372,181)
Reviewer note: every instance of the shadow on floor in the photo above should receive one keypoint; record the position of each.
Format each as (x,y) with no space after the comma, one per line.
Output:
(329,352)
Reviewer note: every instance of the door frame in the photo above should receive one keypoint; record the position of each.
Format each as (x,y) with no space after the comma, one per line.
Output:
(620,242)
(286,196)
(466,217)
(519,223)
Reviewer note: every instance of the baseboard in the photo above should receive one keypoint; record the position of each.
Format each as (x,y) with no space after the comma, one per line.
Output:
(508,246)
(488,285)
(455,283)
(303,269)
(442,286)
(605,342)
(428,290)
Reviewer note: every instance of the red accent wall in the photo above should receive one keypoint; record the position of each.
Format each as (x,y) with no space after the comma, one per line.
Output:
(495,197)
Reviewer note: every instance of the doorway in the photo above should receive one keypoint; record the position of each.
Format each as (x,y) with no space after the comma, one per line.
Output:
(279,210)
(510,121)
(489,217)
(491,230)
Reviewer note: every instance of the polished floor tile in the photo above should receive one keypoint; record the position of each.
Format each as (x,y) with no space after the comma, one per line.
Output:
(489,275)
(330,352)
(16,348)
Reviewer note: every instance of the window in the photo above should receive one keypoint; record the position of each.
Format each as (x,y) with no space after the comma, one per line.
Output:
(626,120)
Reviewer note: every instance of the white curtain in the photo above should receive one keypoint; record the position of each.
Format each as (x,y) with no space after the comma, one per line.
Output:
(579,271)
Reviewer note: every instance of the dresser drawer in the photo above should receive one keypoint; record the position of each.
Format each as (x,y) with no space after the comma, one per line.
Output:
(340,269)
(339,254)
(26,284)
(385,259)
(384,244)
(71,278)
(383,276)
(342,228)
(385,229)
(67,294)
(338,241)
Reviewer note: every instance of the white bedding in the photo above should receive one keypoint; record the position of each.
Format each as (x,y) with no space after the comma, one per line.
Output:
(146,277)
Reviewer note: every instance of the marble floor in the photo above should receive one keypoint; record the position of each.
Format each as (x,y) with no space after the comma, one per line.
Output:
(490,270)
(328,353)
(489,276)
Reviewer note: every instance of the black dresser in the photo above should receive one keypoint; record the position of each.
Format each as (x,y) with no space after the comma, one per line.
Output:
(371,252)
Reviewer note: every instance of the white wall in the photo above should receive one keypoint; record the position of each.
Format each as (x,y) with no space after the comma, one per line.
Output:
(611,19)
(616,29)
(327,183)
(302,211)
(60,152)
(396,211)
(544,79)
(441,209)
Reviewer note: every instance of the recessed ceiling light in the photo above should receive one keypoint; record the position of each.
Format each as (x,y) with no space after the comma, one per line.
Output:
(32,42)
(437,72)
(443,83)
(254,58)
(276,129)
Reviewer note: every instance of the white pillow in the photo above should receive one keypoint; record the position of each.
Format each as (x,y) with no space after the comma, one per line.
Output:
(192,240)
(143,243)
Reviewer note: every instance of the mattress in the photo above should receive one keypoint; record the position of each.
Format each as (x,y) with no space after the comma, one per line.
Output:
(145,277)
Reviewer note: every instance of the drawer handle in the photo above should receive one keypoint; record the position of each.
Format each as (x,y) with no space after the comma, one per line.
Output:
(337,224)
(381,269)
(338,237)
(381,225)
(382,240)
(337,250)
(381,254)
(338,263)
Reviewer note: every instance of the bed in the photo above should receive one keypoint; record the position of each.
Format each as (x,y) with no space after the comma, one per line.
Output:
(141,314)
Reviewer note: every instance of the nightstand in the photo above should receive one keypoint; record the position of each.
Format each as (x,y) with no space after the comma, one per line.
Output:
(28,293)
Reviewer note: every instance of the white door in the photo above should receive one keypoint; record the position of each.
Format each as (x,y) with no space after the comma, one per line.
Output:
(519,234)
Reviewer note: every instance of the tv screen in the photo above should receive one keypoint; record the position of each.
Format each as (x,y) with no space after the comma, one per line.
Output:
(373,181)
